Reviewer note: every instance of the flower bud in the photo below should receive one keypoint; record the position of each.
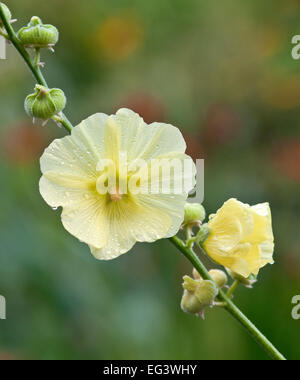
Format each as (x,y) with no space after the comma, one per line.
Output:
(197,295)
(248,282)
(194,214)
(7,14)
(219,277)
(38,35)
(45,103)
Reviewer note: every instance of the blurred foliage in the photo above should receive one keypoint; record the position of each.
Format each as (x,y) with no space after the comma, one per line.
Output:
(223,73)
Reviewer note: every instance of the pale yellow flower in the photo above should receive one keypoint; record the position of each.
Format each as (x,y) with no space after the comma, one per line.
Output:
(74,178)
(241,237)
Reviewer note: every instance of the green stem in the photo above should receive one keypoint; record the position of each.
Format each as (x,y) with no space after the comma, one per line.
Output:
(232,288)
(230,306)
(37,58)
(189,232)
(36,71)
(61,120)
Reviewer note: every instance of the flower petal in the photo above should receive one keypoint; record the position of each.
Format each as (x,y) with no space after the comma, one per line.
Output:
(87,221)
(229,226)
(130,221)
(78,153)
(60,190)
(142,141)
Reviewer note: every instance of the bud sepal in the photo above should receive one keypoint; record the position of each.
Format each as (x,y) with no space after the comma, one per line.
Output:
(202,234)
(197,295)
(194,214)
(38,35)
(45,103)
(248,282)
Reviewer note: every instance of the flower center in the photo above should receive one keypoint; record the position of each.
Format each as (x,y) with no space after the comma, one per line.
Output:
(108,184)
(115,196)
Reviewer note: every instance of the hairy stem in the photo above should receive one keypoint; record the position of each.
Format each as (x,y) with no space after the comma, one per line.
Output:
(35,69)
(230,306)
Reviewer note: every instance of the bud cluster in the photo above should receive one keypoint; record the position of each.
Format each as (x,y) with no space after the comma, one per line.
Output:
(199,294)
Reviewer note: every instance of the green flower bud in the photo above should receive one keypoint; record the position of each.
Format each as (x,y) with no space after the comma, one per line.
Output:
(194,214)
(7,14)
(38,35)
(248,282)
(45,103)
(197,295)
(219,277)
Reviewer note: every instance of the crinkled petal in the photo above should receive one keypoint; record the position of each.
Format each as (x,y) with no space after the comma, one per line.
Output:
(229,226)
(242,237)
(263,233)
(250,254)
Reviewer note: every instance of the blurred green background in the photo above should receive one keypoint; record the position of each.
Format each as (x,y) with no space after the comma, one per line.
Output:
(220,71)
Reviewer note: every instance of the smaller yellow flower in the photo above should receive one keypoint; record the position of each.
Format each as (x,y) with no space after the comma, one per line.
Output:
(241,237)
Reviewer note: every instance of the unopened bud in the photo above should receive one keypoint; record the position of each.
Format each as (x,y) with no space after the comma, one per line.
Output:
(194,214)
(219,277)
(197,295)
(38,35)
(45,103)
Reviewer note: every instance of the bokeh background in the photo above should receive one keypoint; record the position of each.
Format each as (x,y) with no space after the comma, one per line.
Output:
(222,72)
